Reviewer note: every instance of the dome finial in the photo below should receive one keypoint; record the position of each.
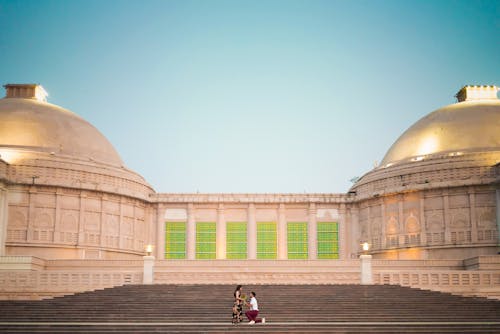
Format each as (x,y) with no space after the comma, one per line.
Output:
(474,93)
(26,91)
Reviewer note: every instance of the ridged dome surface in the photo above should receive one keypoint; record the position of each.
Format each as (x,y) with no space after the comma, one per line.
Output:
(32,126)
(470,126)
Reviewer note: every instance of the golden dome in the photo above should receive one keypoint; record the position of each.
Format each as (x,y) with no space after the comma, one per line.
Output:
(30,125)
(469,126)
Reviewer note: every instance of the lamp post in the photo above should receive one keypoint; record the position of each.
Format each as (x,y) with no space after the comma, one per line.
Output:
(366,265)
(149,261)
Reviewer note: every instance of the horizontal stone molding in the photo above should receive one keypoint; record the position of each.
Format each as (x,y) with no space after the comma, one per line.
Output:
(252,198)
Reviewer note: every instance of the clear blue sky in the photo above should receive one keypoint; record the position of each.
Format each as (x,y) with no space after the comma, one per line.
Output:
(250,96)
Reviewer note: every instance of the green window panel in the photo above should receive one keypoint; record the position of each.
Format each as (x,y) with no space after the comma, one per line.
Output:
(236,241)
(175,241)
(328,240)
(266,241)
(205,241)
(297,241)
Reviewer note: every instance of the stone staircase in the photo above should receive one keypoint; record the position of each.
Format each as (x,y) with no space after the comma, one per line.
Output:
(287,308)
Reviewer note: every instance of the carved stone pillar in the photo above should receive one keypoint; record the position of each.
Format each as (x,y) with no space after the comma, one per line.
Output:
(191,232)
(81,219)
(221,233)
(57,219)
(3,218)
(343,234)
(401,223)
(160,232)
(354,232)
(312,233)
(282,231)
(446,212)
(251,233)
(383,241)
(31,214)
(472,213)
(423,225)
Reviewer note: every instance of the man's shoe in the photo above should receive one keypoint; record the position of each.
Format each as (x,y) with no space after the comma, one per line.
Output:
(263,320)
(251,322)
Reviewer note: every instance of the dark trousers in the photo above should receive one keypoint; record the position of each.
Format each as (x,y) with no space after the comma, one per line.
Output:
(252,315)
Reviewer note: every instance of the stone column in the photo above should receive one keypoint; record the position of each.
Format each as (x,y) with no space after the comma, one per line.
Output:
(81,219)
(354,241)
(401,224)
(498,213)
(472,212)
(383,241)
(191,232)
(312,233)
(446,211)
(423,225)
(343,233)
(159,249)
(102,241)
(251,233)
(4,206)
(58,237)
(220,233)
(282,231)
(31,214)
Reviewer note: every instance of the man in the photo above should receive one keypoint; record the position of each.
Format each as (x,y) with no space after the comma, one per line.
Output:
(254,310)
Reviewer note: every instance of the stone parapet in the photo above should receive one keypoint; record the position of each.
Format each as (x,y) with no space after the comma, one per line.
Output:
(251,198)
(22,263)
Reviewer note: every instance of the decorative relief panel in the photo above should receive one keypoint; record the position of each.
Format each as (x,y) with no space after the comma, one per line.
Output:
(140,213)
(266,215)
(392,225)
(376,226)
(15,197)
(111,207)
(69,220)
(486,217)
(45,200)
(17,217)
(128,210)
(297,215)
(69,202)
(433,203)
(206,215)
(127,225)
(458,201)
(485,199)
(434,220)
(236,215)
(111,224)
(327,215)
(412,224)
(459,218)
(92,205)
(44,218)
(92,221)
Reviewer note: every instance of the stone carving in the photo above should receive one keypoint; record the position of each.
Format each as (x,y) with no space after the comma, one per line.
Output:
(17,217)
(392,225)
(459,218)
(69,221)
(44,219)
(412,224)
(487,217)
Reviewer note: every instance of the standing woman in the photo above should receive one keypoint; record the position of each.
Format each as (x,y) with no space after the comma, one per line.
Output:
(238,305)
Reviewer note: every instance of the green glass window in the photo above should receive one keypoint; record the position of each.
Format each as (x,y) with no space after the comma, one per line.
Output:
(266,240)
(236,240)
(328,240)
(205,241)
(175,240)
(297,240)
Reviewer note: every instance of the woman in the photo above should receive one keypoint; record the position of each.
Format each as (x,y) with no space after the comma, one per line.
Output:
(239,300)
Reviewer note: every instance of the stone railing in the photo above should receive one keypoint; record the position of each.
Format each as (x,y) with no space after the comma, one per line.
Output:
(43,284)
(464,282)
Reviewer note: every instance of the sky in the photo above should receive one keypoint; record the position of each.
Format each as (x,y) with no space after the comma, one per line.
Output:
(250,96)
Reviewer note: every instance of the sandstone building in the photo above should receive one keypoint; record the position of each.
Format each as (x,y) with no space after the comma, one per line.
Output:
(73,217)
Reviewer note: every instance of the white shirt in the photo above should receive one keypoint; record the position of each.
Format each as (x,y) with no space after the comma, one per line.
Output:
(253,304)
